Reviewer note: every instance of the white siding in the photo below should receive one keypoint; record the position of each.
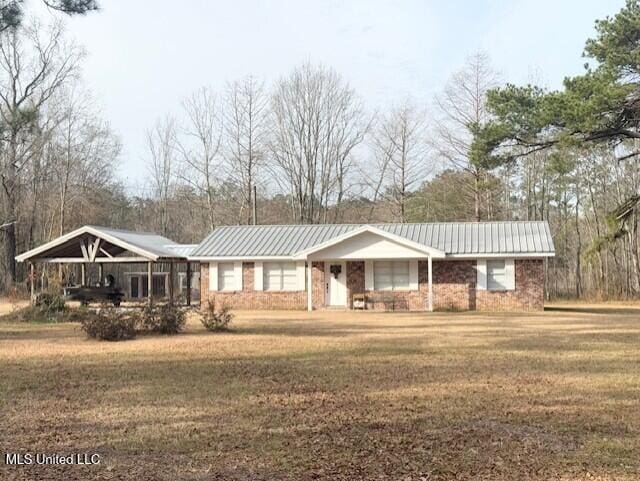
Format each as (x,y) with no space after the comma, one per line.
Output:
(481,281)
(213,276)
(300,271)
(413,275)
(368,275)
(237,267)
(257,276)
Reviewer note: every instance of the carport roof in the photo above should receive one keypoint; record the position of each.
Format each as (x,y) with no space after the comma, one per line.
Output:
(151,246)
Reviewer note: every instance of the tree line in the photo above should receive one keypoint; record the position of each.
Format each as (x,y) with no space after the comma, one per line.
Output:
(307,149)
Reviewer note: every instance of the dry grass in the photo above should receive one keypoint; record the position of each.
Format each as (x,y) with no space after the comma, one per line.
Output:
(334,395)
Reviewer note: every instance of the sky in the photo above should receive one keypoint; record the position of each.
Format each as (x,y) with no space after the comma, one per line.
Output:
(144,57)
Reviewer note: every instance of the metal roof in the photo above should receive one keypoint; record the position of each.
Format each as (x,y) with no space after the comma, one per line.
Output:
(453,238)
(116,241)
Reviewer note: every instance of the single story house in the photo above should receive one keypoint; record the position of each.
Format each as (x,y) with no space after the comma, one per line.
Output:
(431,266)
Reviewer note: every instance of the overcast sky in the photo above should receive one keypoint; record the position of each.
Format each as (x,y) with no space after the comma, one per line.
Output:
(144,57)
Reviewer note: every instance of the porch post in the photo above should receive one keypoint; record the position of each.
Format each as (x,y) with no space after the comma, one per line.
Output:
(100,273)
(430,270)
(188,283)
(309,286)
(83,275)
(149,281)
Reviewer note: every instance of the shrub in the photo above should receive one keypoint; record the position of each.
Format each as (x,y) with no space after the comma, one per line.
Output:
(50,302)
(165,319)
(46,308)
(110,324)
(216,320)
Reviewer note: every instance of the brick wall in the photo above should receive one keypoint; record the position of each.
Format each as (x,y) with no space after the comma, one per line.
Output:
(384,300)
(528,294)
(454,288)
(318,282)
(247,298)
(454,285)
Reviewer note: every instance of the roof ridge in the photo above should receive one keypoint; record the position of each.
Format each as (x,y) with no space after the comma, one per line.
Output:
(468,222)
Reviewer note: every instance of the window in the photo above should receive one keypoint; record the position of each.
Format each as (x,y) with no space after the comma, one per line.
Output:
(391,275)
(226,276)
(280,276)
(134,287)
(496,275)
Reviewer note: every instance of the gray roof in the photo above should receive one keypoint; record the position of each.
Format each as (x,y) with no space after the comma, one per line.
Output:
(115,242)
(150,242)
(453,238)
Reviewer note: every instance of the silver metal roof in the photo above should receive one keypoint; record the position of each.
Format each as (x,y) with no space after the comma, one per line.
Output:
(116,242)
(150,242)
(453,238)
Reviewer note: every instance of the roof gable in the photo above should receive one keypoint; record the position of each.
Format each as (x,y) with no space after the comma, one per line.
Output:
(369,242)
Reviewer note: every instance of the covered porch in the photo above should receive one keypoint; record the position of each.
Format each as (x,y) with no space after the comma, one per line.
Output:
(91,247)
(370,269)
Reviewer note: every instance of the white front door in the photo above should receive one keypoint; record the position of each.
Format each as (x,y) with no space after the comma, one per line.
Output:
(336,277)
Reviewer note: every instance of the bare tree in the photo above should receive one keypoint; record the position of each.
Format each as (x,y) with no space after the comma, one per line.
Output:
(399,151)
(162,143)
(199,147)
(460,109)
(318,121)
(83,151)
(246,129)
(35,62)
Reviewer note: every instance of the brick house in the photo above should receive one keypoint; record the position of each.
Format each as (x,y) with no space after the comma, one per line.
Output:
(436,266)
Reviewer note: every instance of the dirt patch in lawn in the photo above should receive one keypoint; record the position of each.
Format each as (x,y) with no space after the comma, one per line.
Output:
(333,395)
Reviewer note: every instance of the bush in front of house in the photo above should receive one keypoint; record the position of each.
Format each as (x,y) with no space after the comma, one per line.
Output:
(47,307)
(216,320)
(164,319)
(110,324)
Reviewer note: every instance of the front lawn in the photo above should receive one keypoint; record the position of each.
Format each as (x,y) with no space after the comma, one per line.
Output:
(333,395)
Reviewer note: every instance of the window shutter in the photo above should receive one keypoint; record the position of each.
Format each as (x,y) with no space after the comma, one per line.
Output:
(481,282)
(237,273)
(510,270)
(413,275)
(257,276)
(213,276)
(368,275)
(300,275)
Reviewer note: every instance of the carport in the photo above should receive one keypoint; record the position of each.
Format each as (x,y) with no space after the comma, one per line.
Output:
(101,245)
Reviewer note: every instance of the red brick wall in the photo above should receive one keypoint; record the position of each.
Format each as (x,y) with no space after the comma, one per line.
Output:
(527,296)
(318,281)
(454,288)
(247,298)
(454,285)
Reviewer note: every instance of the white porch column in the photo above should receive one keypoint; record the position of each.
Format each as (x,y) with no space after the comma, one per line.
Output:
(309,286)
(430,270)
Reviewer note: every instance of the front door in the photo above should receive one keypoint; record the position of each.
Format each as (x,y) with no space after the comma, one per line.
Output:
(336,276)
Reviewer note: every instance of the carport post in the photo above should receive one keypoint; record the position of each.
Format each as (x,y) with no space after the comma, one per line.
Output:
(188,283)
(32,277)
(150,281)
(171,282)
(430,269)
(309,287)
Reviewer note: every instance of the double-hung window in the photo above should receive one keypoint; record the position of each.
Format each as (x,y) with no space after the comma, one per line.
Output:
(226,276)
(391,275)
(496,274)
(280,276)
